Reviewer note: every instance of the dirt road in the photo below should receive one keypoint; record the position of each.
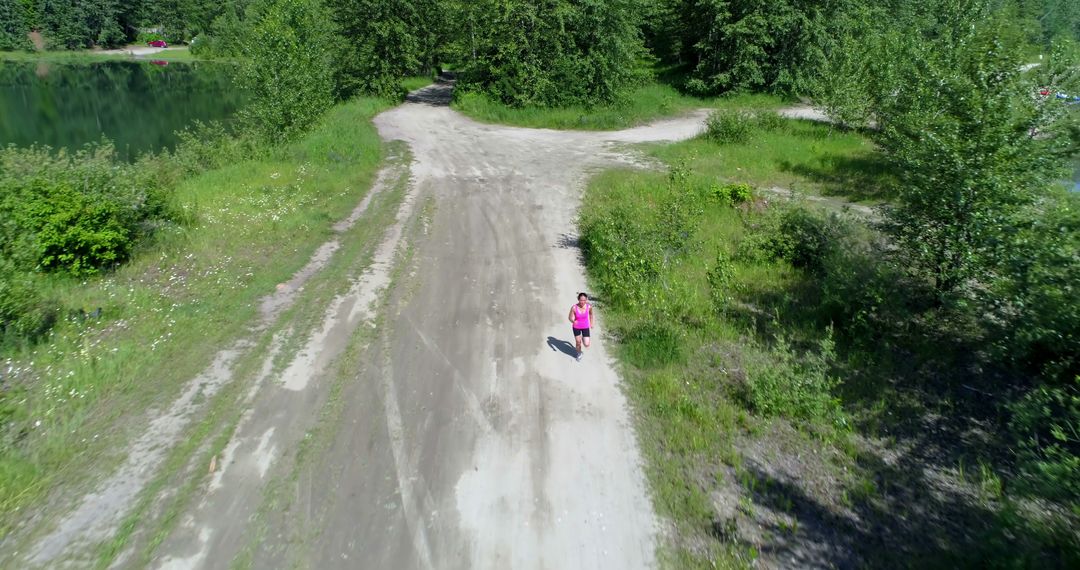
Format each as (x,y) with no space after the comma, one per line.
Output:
(435,417)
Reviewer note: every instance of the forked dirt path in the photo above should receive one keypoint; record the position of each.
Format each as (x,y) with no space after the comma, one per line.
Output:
(467,437)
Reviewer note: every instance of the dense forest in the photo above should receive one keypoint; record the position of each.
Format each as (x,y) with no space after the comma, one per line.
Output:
(981,254)
(520,51)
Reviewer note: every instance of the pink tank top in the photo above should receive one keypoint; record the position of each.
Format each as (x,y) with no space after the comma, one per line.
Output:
(581,316)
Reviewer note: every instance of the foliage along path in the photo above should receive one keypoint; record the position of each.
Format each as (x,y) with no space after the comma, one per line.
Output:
(434,417)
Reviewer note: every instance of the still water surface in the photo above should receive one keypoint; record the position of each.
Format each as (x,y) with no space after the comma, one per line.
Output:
(137,105)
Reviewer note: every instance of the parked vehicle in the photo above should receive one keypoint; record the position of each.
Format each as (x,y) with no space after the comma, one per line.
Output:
(158,43)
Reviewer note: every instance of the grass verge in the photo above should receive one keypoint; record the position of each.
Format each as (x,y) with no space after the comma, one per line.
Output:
(646,103)
(798,155)
(69,401)
(780,424)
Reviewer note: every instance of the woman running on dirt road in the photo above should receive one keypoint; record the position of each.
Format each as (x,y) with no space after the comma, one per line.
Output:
(581,320)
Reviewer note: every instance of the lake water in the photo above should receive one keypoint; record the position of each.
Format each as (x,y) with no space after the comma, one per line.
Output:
(139,105)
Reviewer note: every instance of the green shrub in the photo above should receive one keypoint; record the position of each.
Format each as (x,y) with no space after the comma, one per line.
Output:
(726,126)
(622,254)
(1036,300)
(735,126)
(769,121)
(793,386)
(801,236)
(721,279)
(77,213)
(805,238)
(205,146)
(627,245)
(147,37)
(653,344)
(553,54)
(1046,426)
(288,68)
(24,312)
(861,292)
(732,194)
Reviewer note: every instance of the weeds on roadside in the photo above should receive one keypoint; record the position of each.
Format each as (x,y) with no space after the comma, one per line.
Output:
(734,126)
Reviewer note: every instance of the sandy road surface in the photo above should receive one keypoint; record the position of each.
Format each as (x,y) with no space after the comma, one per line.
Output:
(468,437)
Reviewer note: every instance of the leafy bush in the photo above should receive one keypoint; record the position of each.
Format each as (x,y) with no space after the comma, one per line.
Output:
(729,127)
(801,236)
(1035,300)
(861,293)
(147,37)
(24,312)
(720,278)
(77,213)
(735,126)
(622,255)
(1046,426)
(13,28)
(556,53)
(627,246)
(732,194)
(204,146)
(800,387)
(288,69)
(805,238)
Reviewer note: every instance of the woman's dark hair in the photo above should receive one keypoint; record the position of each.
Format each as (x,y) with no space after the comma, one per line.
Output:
(582,294)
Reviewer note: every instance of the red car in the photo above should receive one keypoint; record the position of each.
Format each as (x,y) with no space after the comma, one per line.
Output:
(158,43)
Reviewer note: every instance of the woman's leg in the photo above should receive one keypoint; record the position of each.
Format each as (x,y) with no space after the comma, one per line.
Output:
(586,341)
(577,338)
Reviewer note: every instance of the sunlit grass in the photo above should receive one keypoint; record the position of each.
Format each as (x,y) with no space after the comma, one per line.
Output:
(801,156)
(416,82)
(687,404)
(646,103)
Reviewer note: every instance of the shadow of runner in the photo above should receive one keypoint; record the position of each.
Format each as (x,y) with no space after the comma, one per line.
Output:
(562,346)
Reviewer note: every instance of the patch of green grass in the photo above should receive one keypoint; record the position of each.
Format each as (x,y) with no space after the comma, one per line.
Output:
(165,314)
(702,362)
(797,155)
(724,314)
(417,82)
(646,103)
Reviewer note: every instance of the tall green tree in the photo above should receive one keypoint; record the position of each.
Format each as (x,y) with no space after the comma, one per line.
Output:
(385,40)
(1054,19)
(964,126)
(774,45)
(182,20)
(555,52)
(13,27)
(288,67)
